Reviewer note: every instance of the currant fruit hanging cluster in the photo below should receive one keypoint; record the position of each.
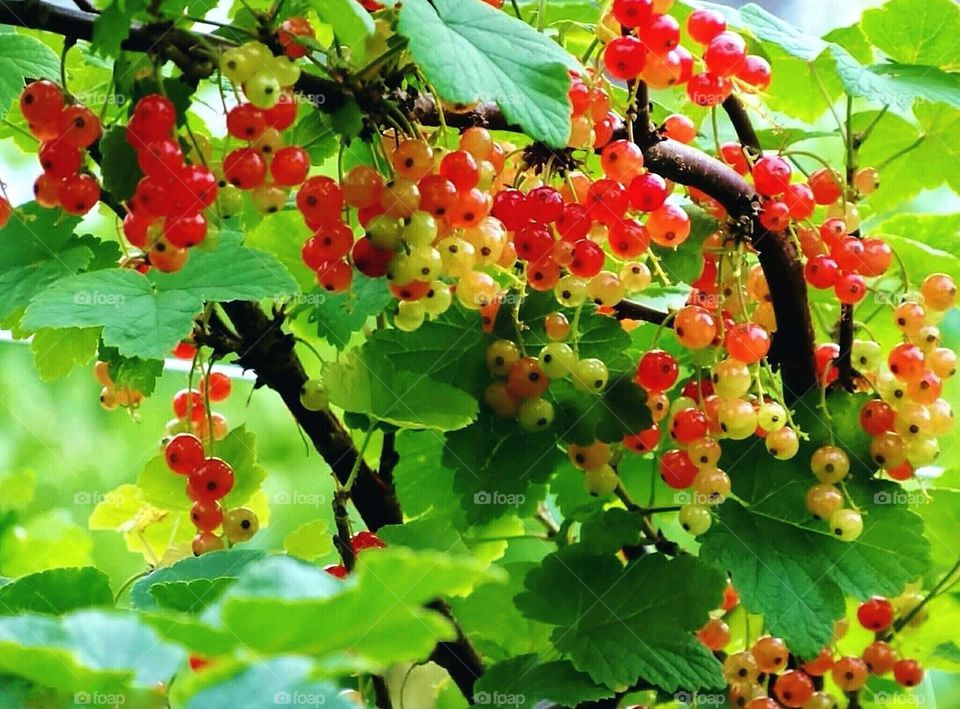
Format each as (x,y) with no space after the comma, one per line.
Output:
(768,676)
(209,478)
(166,212)
(359,542)
(65,130)
(112,396)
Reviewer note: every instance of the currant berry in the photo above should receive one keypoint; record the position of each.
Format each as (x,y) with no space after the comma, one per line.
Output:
(557,360)
(313,395)
(240,524)
(906,362)
(688,425)
(771,416)
(850,289)
(725,54)
(501,356)
(41,102)
(677,470)
(590,375)
(206,542)
(793,688)
(79,193)
(819,665)
(184,453)
(875,614)
(731,379)
(589,457)
(601,481)
(747,342)
(850,673)
(771,654)
(771,175)
(939,292)
(334,276)
(669,225)
(907,673)
(696,519)
(712,486)
(657,371)
(320,200)
(644,441)
(715,635)
(704,25)
(525,379)
(211,481)
(625,58)
(879,657)
(290,165)
(535,414)
(846,524)
(740,668)
(206,516)
(823,500)
(830,464)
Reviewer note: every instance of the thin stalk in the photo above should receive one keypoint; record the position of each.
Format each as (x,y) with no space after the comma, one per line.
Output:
(356,464)
(900,153)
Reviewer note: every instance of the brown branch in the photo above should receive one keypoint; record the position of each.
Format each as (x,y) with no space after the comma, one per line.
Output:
(741,124)
(629,310)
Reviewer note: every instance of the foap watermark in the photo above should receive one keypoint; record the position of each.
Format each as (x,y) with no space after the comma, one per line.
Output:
(899,497)
(698,699)
(305,499)
(97,298)
(500,499)
(315,298)
(692,497)
(92,498)
(499,699)
(898,699)
(107,699)
(100,98)
(299,698)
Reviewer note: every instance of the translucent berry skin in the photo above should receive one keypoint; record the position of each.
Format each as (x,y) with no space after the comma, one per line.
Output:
(704,25)
(290,165)
(188,402)
(707,89)
(771,654)
(41,102)
(334,276)
(793,688)
(246,122)
(79,126)
(184,453)
(725,54)
(643,442)
(850,289)
(320,200)
(879,657)
(677,470)
(624,58)
(771,175)
(588,258)
(850,673)
(747,342)
(156,116)
(79,193)
(657,371)
(60,159)
(211,481)
(366,539)
(756,71)
(217,386)
(526,380)
(206,516)
(876,417)
(661,34)
(695,327)
(826,186)
(689,425)
(632,13)
(647,192)
(244,168)
(714,635)
(460,167)
(908,673)
(875,614)
(206,542)
(906,362)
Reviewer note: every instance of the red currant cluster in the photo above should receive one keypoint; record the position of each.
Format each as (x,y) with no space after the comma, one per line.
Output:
(592,123)
(5,211)
(361,541)
(166,214)
(112,396)
(643,42)
(64,132)
(209,479)
(290,30)
(768,676)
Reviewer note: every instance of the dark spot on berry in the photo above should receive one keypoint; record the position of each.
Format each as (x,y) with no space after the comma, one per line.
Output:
(245,524)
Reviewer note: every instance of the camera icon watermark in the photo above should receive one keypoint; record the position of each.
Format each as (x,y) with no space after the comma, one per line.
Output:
(898,699)
(107,699)
(697,699)
(96,298)
(500,499)
(500,699)
(299,698)
(899,497)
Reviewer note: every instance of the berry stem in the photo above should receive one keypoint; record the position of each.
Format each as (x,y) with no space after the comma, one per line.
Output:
(901,623)
(352,478)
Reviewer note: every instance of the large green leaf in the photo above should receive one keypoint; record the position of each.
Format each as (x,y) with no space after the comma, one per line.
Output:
(366,381)
(896,84)
(87,651)
(338,316)
(119,166)
(56,591)
(147,315)
(268,682)
(528,681)
(177,585)
(113,25)
(770,28)
(351,23)
(56,352)
(22,58)
(281,605)
(471,52)
(916,31)
(622,624)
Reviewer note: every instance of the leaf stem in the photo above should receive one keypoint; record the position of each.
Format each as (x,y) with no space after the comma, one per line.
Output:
(356,464)
(900,153)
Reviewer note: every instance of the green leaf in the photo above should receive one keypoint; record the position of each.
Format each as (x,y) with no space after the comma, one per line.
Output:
(496,466)
(937,230)
(87,651)
(39,248)
(896,84)
(283,235)
(56,591)
(268,682)
(771,28)
(351,23)
(120,169)
(527,681)
(916,31)
(449,349)
(176,580)
(620,624)
(24,58)
(471,52)
(583,417)
(918,256)
(138,374)
(56,352)
(283,606)
(309,541)
(45,541)
(608,531)
(112,26)
(339,315)
(315,133)
(147,315)
(854,41)
(366,381)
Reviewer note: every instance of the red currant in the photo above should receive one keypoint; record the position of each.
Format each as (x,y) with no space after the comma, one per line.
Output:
(244,168)
(290,165)
(704,25)
(79,193)
(625,58)
(875,614)
(211,481)
(217,386)
(771,175)
(206,516)
(657,371)
(677,470)
(184,453)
